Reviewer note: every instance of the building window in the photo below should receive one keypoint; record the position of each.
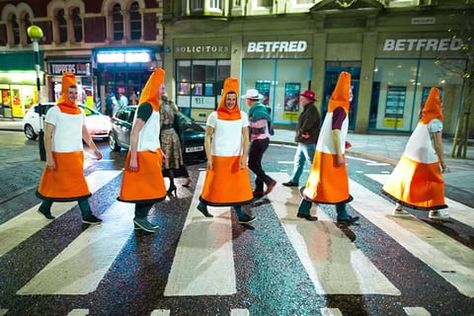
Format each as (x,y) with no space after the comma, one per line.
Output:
(62,26)
(15,29)
(77,24)
(117,23)
(264,3)
(215,4)
(197,5)
(135,22)
(26,26)
(304,2)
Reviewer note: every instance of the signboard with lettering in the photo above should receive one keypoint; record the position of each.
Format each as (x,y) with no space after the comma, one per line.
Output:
(196,48)
(430,45)
(77,68)
(203,102)
(278,47)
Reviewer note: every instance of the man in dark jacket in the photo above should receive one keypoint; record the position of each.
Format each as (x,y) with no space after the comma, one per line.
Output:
(307,132)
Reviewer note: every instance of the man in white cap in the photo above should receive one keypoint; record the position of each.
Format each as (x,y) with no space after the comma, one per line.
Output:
(260,125)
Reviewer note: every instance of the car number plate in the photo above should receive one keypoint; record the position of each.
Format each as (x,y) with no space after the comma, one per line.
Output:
(193,149)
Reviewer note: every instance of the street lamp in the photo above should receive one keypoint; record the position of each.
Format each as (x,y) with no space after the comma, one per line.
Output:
(36,34)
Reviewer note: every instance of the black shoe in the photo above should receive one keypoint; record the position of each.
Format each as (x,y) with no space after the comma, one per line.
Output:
(246,219)
(349,221)
(170,191)
(290,184)
(91,219)
(270,187)
(204,211)
(307,217)
(46,214)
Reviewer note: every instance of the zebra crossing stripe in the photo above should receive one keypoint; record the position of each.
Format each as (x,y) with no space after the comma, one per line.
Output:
(333,262)
(23,226)
(239,312)
(79,312)
(160,312)
(204,260)
(458,211)
(447,257)
(416,311)
(79,268)
(330,311)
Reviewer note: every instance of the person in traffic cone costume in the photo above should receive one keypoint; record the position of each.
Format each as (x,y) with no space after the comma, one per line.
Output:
(416,181)
(328,181)
(143,182)
(63,177)
(227,180)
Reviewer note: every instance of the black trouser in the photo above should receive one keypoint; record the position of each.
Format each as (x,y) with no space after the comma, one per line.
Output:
(83,205)
(142,209)
(257,148)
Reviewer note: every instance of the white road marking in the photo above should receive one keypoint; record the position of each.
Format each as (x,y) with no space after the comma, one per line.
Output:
(416,311)
(80,267)
(333,262)
(285,162)
(450,259)
(377,164)
(359,171)
(23,226)
(360,159)
(204,260)
(160,312)
(458,211)
(239,312)
(331,312)
(79,312)
(387,172)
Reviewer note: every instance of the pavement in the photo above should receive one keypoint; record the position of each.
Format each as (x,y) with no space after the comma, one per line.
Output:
(384,148)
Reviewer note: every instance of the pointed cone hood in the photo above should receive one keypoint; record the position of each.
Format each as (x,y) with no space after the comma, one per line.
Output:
(230,85)
(340,95)
(150,92)
(64,104)
(432,107)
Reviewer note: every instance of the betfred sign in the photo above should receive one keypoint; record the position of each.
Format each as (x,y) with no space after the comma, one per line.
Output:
(425,44)
(277,47)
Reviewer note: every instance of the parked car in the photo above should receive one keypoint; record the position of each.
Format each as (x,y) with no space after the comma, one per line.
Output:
(97,124)
(190,133)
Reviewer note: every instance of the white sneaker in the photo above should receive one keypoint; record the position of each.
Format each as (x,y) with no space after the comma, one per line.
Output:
(439,214)
(400,212)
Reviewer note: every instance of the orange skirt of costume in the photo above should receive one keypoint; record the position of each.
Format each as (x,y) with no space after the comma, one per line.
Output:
(147,184)
(417,185)
(226,184)
(67,181)
(327,183)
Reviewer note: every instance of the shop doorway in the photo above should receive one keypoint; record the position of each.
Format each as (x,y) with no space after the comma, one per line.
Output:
(333,69)
(5,105)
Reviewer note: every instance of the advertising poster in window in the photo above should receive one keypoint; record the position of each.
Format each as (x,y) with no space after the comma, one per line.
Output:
(208,89)
(395,106)
(292,97)
(263,87)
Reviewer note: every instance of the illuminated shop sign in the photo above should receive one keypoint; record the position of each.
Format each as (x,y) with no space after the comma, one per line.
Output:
(81,69)
(277,47)
(427,44)
(125,57)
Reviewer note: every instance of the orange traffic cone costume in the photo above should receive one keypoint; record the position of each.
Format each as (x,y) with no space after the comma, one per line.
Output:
(226,184)
(328,183)
(416,181)
(66,182)
(146,184)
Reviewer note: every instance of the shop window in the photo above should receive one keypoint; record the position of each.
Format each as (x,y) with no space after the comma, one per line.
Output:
(117,23)
(401,85)
(215,4)
(62,26)
(263,3)
(197,5)
(184,77)
(15,29)
(304,2)
(135,22)
(27,24)
(77,24)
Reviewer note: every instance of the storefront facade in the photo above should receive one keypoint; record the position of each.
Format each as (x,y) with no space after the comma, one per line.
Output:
(394,58)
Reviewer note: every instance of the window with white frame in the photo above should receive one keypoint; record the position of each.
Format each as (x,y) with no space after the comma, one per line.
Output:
(62,26)
(77,24)
(117,23)
(215,4)
(135,22)
(15,29)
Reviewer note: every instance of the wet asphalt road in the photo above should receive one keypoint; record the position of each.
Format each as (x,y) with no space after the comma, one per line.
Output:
(270,277)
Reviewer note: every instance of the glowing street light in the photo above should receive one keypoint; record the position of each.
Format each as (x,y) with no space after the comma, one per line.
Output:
(36,34)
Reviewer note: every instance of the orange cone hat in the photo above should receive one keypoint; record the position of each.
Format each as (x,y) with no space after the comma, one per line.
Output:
(432,108)
(66,105)
(150,92)
(231,84)
(340,95)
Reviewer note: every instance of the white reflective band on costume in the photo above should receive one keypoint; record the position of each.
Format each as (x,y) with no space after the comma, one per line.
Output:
(419,147)
(67,136)
(325,141)
(148,139)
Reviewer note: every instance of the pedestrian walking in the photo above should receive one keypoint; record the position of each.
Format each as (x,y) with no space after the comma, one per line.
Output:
(227,180)
(63,176)
(417,180)
(307,132)
(328,181)
(260,124)
(170,144)
(142,181)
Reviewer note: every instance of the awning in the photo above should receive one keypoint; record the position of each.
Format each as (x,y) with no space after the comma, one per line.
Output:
(19,61)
